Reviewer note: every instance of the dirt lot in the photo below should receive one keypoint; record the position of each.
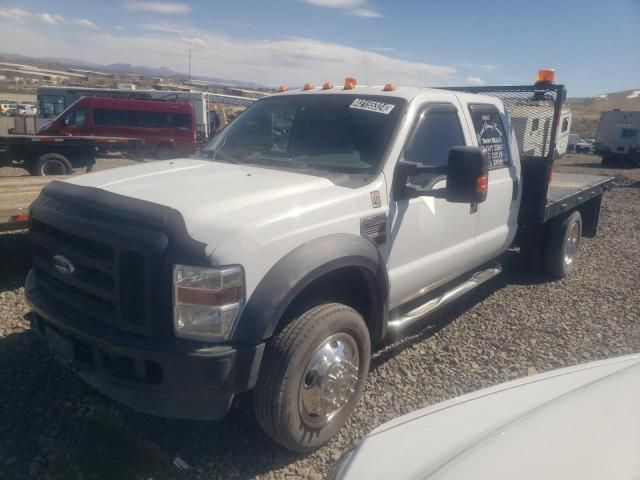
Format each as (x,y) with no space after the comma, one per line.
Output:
(53,426)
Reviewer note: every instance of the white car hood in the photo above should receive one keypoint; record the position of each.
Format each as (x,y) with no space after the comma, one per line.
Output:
(577,423)
(214,198)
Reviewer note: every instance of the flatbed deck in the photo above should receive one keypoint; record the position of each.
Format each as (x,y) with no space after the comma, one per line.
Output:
(568,190)
(16,194)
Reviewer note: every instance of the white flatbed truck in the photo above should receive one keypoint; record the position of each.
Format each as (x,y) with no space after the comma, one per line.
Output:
(322,220)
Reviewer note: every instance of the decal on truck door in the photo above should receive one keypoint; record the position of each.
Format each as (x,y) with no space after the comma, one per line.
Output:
(491,135)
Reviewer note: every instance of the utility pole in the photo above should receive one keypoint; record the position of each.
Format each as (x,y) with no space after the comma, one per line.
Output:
(189,65)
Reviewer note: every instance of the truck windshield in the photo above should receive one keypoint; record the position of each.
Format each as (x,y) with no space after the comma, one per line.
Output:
(347,133)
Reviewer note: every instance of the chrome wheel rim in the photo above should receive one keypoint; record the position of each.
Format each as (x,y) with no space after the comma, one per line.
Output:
(329,380)
(571,245)
(53,167)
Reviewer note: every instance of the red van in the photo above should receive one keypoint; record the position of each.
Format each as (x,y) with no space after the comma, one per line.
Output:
(168,129)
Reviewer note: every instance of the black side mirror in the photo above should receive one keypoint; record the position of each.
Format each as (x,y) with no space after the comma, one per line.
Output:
(467,175)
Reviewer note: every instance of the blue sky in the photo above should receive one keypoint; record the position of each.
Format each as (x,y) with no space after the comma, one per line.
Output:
(594,46)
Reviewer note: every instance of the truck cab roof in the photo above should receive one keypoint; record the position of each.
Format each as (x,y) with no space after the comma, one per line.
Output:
(407,93)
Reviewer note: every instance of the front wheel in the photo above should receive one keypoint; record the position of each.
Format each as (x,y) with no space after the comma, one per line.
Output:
(312,376)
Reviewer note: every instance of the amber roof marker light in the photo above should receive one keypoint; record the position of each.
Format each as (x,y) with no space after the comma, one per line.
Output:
(308,86)
(389,87)
(327,86)
(350,83)
(281,89)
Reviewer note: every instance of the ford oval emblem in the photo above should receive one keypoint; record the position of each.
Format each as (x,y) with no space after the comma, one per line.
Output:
(63,265)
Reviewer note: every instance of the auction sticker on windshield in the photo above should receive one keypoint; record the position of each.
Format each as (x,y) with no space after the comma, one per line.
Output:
(372,106)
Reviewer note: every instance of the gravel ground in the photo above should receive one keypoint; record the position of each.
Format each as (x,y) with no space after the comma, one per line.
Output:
(53,426)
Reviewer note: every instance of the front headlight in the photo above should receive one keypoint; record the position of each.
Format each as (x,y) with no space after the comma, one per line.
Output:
(206,301)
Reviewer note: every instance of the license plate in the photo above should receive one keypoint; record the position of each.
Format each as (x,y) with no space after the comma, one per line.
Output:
(61,348)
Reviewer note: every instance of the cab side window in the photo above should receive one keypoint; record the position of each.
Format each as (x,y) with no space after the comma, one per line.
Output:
(438,130)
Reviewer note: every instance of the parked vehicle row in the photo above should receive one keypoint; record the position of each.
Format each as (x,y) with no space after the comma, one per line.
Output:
(18,109)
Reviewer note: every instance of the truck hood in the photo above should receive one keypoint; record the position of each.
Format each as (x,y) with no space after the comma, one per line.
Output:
(581,422)
(214,198)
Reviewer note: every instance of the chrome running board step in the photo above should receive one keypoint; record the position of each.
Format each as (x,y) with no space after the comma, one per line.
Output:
(417,313)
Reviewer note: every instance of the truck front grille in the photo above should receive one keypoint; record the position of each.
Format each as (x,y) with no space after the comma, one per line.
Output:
(108,284)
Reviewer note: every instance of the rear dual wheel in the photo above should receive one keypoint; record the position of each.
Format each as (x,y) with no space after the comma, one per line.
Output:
(562,244)
(312,376)
(51,164)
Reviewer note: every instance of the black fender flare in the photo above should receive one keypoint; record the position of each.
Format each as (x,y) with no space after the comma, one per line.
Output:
(306,263)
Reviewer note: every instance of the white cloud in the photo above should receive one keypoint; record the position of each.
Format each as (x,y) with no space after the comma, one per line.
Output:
(356,8)
(16,14)
(365,12)
(166,8)
(336,3)
(166,27)
(83,22)
(489,67)
(292,61)
(382,49)
(119,27)
(49,18)
(474,80)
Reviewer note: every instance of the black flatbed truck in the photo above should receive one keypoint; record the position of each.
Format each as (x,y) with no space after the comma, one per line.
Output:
(44,155)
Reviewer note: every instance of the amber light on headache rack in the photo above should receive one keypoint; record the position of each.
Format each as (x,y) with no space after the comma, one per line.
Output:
(546,75)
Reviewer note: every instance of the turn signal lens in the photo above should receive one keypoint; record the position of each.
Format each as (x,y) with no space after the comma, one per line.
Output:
(482,184)
(282,88)
(308,86)
(389,87)
(546,75)
(350,83)
(327,86)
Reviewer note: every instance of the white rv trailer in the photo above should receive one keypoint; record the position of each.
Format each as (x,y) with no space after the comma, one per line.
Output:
(532,121)
(564,127)
(618,137)
(53,100)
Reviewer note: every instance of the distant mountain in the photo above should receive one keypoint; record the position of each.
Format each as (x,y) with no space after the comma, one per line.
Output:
(126,68)
(585,111)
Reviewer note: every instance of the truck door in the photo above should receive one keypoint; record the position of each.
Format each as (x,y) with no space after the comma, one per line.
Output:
(431,240)
(498,215)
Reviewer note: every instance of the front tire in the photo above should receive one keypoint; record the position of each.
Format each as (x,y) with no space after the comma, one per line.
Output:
(312,376)
(562,244)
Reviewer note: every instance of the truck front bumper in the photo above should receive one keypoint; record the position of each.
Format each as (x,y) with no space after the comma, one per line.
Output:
(166,377)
